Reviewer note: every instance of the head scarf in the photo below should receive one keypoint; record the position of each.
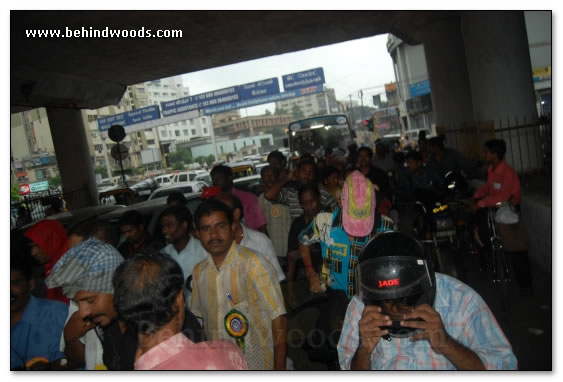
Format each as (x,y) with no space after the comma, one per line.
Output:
(89,266)
(50,236)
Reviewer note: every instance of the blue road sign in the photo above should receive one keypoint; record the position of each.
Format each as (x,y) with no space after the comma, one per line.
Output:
(129,118)
(303,79)
(262,100)
(259,89)
(420,88)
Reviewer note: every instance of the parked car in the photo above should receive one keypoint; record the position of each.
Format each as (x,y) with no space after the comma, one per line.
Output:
(144,188)
(164,180)
(187,176)
(151,210)
(185,188)
(242,169)
(250,183)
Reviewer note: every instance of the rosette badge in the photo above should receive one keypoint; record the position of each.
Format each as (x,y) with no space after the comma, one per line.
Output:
(236,324)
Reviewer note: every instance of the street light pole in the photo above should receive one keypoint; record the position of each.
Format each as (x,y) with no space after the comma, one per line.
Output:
(361,95)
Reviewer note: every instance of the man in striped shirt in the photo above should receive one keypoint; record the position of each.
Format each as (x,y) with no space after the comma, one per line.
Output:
(237,293)
(304,173)
(407,317)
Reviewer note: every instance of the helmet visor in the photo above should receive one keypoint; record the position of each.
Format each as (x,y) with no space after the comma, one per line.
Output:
(391,278)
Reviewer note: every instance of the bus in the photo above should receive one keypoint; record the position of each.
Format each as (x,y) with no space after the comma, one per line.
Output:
(313,135)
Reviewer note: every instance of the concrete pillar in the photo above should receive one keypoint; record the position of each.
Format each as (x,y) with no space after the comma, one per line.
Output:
(500,74)
(73,157)
(447,71)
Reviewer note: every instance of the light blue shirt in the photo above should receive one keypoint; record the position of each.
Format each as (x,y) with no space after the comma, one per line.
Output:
(38,333)
(467,319)
(187,258)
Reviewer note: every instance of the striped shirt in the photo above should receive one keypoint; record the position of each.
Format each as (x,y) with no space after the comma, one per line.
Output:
(290,197)
(246,282)
(467,319)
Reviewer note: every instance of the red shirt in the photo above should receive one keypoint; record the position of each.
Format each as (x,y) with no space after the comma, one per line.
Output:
(253,214)
(502,185)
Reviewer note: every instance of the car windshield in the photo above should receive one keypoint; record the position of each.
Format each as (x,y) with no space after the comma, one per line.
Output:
(313,135)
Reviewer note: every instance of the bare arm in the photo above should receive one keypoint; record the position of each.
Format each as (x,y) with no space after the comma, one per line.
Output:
(279,334)
(274,192)
(312,275)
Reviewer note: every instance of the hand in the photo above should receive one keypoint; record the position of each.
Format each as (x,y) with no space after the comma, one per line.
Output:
(315,284)
(76,327)
(292,175)
(370,328)
(432,326)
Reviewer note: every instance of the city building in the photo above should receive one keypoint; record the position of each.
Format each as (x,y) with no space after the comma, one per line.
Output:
(413,85)
(32,154)
(310,105)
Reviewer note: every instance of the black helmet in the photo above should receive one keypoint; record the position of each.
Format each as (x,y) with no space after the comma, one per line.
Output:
(394,267)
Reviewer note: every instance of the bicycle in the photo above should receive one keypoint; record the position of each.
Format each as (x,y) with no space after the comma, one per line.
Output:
(500,270)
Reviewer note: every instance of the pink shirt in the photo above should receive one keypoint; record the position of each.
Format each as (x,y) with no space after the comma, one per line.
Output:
(502,185)
(253,214)
(179,353)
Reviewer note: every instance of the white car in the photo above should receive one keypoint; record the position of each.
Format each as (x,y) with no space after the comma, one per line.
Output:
(187,176)
(185,188)
(164,180)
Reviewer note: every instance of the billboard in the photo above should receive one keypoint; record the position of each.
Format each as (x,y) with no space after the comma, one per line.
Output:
(420,88)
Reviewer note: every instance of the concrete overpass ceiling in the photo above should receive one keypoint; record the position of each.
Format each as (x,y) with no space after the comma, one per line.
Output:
(94,72)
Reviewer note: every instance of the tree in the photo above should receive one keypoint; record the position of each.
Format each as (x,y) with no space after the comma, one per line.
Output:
(100,170)
(15,193)
(210,159)
(297,112)
(183,156)
(55,181)
(267,112)
(280,111)
(178,166)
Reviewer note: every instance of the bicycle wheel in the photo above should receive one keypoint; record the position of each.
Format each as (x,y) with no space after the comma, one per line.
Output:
(501,275)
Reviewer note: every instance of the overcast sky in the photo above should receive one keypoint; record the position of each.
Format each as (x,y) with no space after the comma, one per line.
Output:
(348,67)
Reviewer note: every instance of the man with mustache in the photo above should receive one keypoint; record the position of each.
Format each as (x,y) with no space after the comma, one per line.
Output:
(85,274)
(237,293)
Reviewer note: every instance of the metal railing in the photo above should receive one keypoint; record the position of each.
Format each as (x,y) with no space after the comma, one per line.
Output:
(34,207)
(528,143)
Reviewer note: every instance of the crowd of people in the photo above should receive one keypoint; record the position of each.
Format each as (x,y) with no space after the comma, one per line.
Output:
(216,294)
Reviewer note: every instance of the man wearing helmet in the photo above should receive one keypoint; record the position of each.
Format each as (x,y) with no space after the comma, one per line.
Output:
(427,320)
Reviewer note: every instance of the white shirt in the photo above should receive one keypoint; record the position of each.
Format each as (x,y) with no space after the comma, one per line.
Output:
(187,258)
(93,350)
(262,245)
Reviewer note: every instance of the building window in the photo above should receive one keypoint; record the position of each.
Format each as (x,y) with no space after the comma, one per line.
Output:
(185,131)
(138,134)
(191,122)
(140,90)
(150,141)
(204,121)
(40,174)
(193,132)
(234,146)
(164,133)
(205,130)
(177,133)
(173,94)
(98,148)
(183,123)
(254,142)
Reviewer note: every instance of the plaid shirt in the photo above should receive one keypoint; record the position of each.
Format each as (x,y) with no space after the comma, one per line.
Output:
(467,319)
(340,251)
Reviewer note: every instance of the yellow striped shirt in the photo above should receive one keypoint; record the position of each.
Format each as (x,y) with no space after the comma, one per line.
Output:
(251,282)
